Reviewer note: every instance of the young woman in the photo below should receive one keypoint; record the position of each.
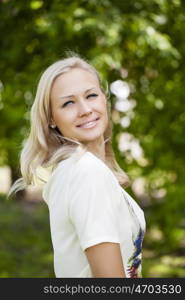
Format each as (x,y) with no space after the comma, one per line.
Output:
(97,229)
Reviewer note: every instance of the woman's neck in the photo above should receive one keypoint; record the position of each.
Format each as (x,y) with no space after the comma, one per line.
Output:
(97,148)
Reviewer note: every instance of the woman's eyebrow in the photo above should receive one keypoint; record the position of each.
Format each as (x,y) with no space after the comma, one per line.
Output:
(73,95)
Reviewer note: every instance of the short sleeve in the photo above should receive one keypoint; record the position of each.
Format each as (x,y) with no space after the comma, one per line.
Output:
(94,204)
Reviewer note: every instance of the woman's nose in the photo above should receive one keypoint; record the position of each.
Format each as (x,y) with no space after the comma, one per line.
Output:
(84,108)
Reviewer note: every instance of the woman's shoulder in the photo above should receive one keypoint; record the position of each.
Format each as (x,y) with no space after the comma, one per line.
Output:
(84,165)
(78,163)
(83,161)
(92,166)
(90,169)
(82,168)
(76,166)
(90,161)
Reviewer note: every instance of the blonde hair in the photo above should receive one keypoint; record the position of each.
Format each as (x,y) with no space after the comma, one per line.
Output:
(46,147)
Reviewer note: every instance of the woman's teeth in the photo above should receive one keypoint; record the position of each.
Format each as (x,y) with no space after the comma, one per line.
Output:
(89,124)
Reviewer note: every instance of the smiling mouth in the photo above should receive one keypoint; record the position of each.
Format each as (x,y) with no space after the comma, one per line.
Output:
(89,124)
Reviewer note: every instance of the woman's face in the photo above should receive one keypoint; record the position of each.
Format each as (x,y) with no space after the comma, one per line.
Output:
(78,106)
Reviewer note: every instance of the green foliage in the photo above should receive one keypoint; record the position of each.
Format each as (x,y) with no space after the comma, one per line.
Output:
(141,42)
(25,246)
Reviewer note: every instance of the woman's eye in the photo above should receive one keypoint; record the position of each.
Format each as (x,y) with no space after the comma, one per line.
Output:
(92,95)
(66,103)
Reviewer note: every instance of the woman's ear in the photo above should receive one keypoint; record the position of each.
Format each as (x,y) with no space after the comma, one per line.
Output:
(52,124)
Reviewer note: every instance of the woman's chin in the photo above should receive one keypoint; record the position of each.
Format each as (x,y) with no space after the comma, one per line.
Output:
(89,138)
(87,135)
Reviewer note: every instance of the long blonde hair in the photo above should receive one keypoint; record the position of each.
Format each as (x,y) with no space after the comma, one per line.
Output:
(45,147)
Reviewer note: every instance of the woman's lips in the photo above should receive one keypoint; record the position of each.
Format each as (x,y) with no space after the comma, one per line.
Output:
(89,124)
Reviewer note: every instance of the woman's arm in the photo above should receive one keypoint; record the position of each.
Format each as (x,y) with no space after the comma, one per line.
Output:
(105,260)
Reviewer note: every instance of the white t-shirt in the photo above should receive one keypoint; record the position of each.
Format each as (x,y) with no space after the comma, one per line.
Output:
(87,206)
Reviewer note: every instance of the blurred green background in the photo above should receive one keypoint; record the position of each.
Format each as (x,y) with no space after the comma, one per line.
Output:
(139,42)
